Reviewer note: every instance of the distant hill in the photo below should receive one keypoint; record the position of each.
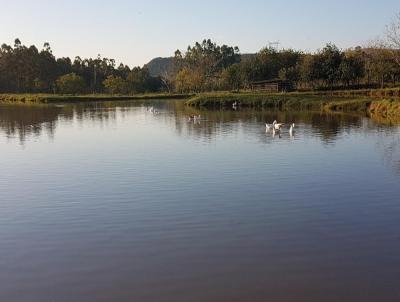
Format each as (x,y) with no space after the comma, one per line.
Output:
(161,66)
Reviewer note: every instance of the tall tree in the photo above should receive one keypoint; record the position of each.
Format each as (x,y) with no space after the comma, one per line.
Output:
(205,61)
(393,38)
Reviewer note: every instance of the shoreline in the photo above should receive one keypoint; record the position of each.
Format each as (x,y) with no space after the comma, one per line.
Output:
(56,98)
(385,102)
(336,102)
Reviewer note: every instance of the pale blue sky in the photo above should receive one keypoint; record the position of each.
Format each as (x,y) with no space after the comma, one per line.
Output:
(136,31)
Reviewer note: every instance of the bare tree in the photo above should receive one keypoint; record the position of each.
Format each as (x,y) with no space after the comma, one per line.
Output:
(165,79)
(393,37)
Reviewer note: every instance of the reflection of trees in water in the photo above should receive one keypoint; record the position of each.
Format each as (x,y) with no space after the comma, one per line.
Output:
(100,113)
(24,121)
(329,126)
(211,124)
(325,126)
(389,146)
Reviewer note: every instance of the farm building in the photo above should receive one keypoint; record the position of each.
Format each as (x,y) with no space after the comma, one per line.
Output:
(272,86)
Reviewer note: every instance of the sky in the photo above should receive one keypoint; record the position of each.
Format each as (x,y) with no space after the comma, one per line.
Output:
(134,32)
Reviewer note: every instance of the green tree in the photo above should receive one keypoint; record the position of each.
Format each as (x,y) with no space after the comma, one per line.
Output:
(232,77)
(381,64)
(310,70)
(351,69)
(140,81)
(290,74)
(201,65)
(330,60)
(189,81)
(116,85)
(70,84)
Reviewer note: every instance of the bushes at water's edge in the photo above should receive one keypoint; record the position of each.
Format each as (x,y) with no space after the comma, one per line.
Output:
(385,107)
(258,100)
(49,98)
(381,107)
(298,101)
(291,101)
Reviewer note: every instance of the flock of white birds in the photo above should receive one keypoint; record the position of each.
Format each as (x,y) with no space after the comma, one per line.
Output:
(275,126)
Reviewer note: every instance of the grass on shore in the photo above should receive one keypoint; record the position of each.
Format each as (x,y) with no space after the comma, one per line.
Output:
(299,101)
(264,100)
(52,98)
(336,101)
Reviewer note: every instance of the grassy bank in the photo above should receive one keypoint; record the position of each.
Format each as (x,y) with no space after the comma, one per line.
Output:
(51,98)
(338,101)
(299,101)
(292,101)
(279,101)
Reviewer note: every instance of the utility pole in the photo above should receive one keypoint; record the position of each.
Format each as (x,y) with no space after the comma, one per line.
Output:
(274,45)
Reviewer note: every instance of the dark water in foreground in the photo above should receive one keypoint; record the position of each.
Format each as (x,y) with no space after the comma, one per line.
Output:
(114,203)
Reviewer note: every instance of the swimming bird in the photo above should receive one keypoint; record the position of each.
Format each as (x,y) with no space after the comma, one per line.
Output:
(277,126)
(197,117)
(274,132)
(194,118)
(291,130)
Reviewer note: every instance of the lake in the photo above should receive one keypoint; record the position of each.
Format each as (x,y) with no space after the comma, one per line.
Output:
(113,202)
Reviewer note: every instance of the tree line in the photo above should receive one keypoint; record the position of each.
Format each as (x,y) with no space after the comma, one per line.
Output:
(327,68)
(209,67)
(204,66)
(26,69)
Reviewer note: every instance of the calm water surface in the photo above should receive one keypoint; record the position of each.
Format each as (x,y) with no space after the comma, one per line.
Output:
(107,202)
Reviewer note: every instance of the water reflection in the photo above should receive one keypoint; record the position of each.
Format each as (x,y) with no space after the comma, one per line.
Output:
(23,122)
(128,204)
(388,145)
(322,125)
(26,121)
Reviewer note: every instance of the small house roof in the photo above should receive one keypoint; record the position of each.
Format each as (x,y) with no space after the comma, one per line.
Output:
(274,81)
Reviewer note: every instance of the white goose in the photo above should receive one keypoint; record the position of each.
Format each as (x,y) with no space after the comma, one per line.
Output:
(276,132)
(277,126)
(291,130)
(194,118)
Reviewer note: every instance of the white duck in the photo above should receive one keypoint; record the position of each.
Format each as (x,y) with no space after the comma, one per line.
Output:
(277,126)
(275,132)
